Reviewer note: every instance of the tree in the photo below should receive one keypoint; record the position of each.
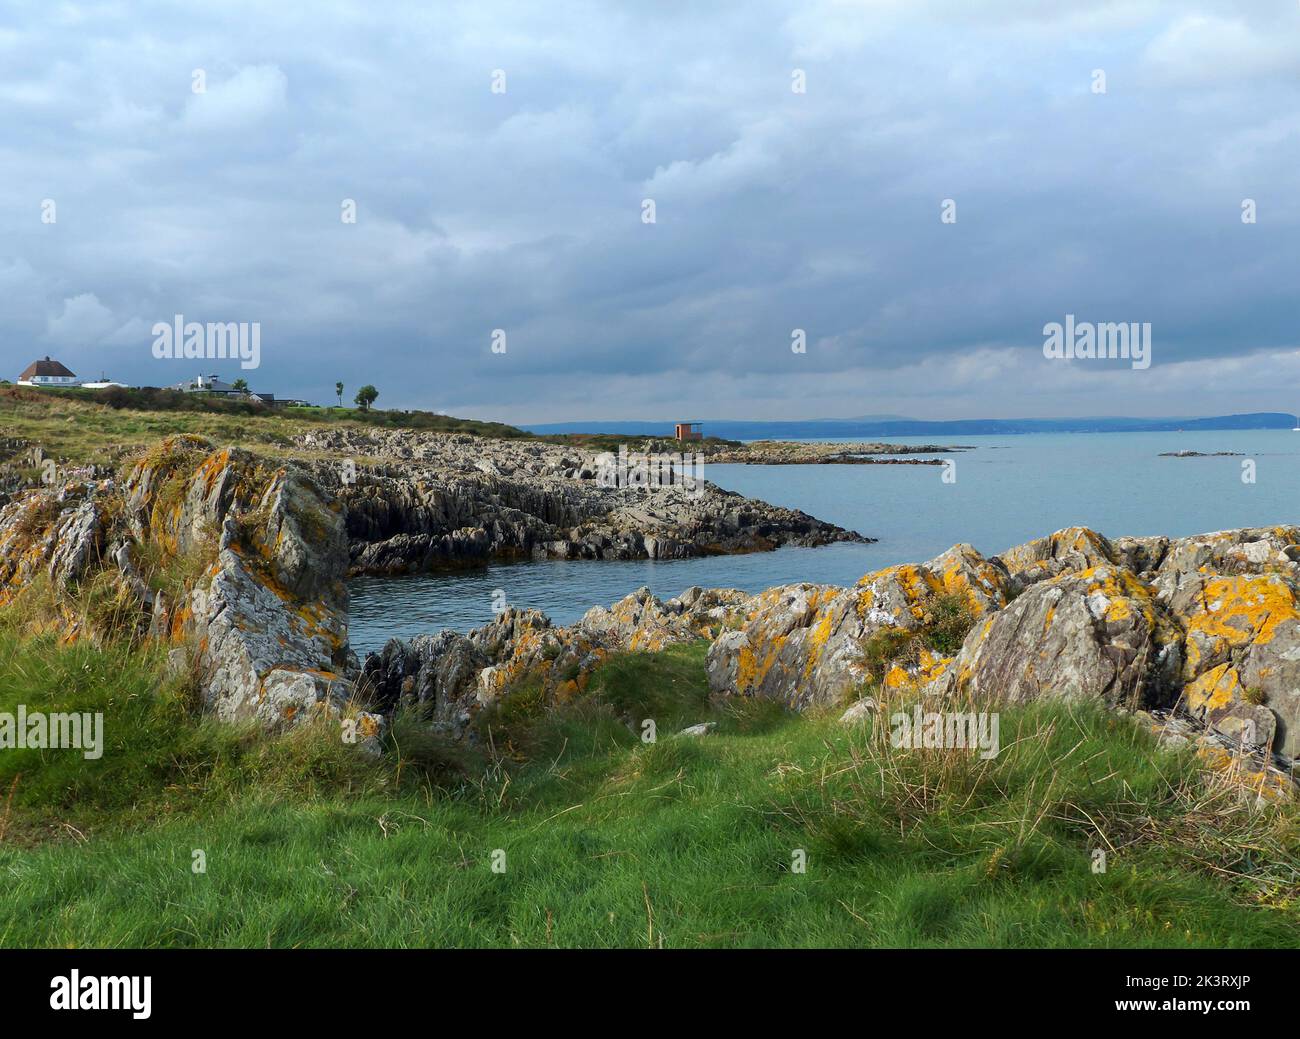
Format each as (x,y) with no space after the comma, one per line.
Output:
(338,389)
(240,384)
(366,397)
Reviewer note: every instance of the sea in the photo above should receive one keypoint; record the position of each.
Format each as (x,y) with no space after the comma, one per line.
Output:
(1003,491)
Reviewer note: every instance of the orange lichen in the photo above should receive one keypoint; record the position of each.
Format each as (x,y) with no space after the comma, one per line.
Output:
(751,669)
(1215,689)
(1244,609)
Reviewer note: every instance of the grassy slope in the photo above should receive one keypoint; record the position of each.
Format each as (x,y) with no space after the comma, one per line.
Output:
(78,426)
(611,842)
(74,425)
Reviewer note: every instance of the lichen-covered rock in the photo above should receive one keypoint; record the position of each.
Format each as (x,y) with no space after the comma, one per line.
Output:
(1072,549)
(55,533)
(269,614)
(799,644)
(1098,634)
(1251,769)
(803,644)
(1242,657)
(1256,550)
(455,676)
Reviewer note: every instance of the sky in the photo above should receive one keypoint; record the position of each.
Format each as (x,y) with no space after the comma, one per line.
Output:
(951,178)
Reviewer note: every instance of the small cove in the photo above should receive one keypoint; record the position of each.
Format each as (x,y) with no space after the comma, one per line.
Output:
(1008,490)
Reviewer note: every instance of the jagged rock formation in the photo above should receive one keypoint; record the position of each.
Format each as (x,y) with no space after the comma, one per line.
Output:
(418,501)
(270,613)
(262,555)
(1210,624)
(241,563)
(802,644)
(456,675)
(262,549)
(55,534)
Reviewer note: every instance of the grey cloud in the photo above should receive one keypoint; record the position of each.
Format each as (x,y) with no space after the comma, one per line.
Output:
(522,211)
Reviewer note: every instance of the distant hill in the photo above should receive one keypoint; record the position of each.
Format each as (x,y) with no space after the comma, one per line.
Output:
(883,429)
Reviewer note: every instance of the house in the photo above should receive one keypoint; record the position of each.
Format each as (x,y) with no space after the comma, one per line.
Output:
(47,373)
(213,386)
(209,384)
(104,383)
(689,431)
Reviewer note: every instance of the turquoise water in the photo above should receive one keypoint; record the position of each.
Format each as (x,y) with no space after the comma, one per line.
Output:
(1008,489)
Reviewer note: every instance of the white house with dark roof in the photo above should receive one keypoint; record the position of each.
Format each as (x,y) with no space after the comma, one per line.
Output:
(47,373)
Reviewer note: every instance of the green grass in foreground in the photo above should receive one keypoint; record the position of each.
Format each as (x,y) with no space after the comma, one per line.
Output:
(611,842)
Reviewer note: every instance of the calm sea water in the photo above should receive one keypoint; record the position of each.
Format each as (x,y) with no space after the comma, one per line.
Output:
(1008,489)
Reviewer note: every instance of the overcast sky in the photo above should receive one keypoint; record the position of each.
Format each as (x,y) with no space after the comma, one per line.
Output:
(774,210)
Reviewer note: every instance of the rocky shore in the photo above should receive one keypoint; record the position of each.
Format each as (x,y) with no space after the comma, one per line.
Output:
(1198,636)
(418,501)
(788,452)
(238,562)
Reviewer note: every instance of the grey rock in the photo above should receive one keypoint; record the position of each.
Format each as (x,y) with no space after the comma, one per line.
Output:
(860,711)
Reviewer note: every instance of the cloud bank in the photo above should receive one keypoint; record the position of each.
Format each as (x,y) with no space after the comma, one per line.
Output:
(479,209)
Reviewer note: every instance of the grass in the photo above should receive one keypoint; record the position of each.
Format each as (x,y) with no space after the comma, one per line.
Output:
(610,841)
(83,427)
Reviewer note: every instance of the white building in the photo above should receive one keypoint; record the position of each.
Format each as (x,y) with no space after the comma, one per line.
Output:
(47,373)
(208,384)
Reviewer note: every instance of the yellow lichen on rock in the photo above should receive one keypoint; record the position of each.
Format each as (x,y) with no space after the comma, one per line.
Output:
(751,668)
(1215,689)
(1244,609)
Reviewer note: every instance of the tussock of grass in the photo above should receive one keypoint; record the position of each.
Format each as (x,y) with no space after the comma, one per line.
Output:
(947,622)
(610,841)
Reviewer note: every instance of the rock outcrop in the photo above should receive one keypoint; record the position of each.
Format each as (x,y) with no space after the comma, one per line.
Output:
(418,501)
(806,452)
(55,534)
(240,561)
(246,565)
(1099,633)
(456,676)
(803,644)
(270,612)
(1206,626)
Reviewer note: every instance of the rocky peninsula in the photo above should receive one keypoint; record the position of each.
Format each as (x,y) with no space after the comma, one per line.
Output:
(790,452)
(416,501)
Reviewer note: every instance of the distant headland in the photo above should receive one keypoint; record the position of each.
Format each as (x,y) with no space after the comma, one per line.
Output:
(733,429)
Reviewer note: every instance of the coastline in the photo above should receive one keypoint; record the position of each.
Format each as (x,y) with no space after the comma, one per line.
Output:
(216,577)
